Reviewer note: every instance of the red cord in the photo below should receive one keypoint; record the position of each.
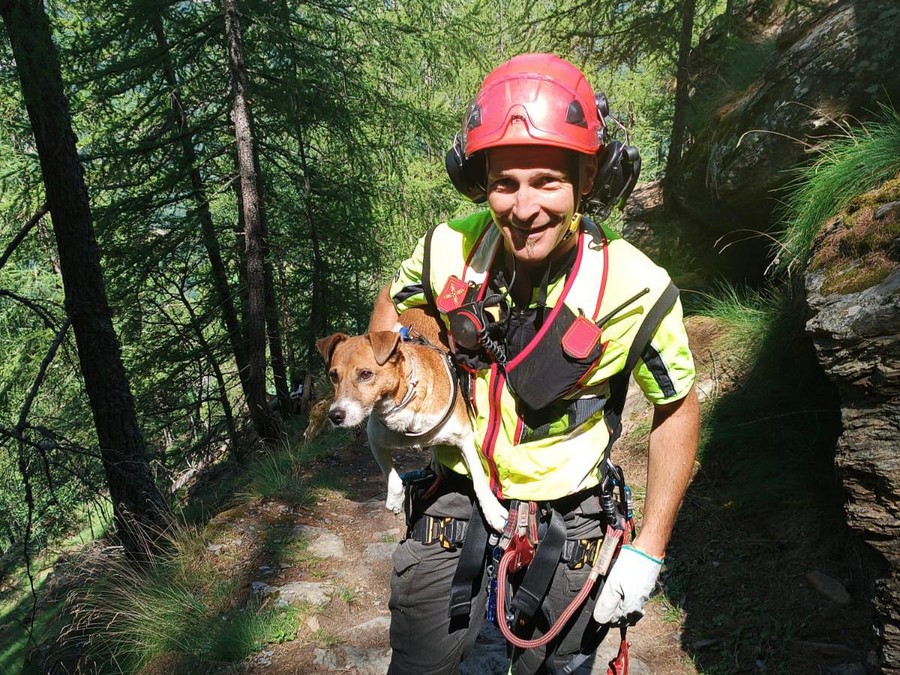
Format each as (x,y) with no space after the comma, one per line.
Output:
(563,619)
(618,666)
(554,630)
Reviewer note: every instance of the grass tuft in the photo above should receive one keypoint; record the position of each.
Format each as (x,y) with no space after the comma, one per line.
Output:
(179,604)
(279,473)
(756,324)
(847,167)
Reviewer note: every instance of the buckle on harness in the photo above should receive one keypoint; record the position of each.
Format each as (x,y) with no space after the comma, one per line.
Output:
(580,552)
(448,532)
(521,534)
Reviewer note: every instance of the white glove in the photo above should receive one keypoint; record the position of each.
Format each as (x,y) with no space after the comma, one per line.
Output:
(627,587)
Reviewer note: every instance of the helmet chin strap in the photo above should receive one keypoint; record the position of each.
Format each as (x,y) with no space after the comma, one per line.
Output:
(575,171)
(572,229)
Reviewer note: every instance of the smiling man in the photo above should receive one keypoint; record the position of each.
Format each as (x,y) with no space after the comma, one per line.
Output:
(548,314)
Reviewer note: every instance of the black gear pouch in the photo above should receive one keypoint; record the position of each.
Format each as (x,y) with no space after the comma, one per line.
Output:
(562,357)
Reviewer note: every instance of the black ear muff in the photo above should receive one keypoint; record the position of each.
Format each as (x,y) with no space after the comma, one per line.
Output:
(467,175)
(631,171)
(619,167)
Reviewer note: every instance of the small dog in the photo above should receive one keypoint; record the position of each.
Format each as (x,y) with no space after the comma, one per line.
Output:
(407,392)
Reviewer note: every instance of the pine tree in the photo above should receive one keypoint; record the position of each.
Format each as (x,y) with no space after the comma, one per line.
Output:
(140,510)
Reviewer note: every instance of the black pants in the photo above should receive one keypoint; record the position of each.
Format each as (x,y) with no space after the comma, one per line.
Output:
(425,641)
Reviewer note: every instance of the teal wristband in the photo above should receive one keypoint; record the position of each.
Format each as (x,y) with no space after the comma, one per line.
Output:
(645,555)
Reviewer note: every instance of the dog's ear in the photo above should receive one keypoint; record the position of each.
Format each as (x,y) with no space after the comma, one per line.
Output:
(327,344)
(384,344)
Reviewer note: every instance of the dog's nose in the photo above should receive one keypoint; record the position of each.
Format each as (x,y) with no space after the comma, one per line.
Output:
(337,415)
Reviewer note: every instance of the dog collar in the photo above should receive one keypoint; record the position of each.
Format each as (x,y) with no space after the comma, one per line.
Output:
(454,390)
(411,387)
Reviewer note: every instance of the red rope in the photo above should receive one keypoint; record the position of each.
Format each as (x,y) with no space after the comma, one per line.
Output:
(563,619)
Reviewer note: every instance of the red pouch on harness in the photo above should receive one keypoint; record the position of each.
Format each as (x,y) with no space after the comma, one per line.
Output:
(581,338)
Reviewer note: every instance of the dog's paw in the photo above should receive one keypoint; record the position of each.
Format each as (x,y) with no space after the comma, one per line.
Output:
(495,515)
(395,492)
(394,502)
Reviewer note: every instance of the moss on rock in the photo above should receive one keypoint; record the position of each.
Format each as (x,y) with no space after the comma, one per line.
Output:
(860,247)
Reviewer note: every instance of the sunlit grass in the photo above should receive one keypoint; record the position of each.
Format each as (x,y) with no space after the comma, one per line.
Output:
(849,166)
(753,322)
(280,471)
(180,603)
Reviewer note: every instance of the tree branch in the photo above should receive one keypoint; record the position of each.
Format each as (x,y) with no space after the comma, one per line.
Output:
(48,319)
(26,228)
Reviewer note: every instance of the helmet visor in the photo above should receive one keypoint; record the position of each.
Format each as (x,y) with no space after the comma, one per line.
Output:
(531,109)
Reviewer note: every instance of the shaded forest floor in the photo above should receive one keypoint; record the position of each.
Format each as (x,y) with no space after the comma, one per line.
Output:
(776,587)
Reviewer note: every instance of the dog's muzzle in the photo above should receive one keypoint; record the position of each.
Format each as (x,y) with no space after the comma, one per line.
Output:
(337,416)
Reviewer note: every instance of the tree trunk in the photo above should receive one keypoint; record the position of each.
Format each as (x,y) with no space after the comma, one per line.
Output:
(255,243)
(676,141)
(276,352)
(316,309)
(140,511)
(222,292)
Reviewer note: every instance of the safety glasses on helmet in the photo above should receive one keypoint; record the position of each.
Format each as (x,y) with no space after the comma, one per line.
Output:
(531,109)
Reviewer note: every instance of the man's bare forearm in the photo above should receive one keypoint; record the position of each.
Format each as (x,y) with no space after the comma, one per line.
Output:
(673,449)
(384,314)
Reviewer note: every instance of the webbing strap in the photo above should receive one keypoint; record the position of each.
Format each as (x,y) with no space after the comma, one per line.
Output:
(426,285)
(531,592)
(471,562)
(426,269)
(618,383)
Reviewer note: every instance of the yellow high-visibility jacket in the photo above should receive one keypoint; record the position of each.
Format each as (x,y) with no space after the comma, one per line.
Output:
(562,452)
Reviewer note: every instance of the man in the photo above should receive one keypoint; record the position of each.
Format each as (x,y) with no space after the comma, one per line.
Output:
(543,309)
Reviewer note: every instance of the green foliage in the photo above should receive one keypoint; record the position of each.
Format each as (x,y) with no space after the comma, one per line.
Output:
(27,623)
(849,166)
(774,432)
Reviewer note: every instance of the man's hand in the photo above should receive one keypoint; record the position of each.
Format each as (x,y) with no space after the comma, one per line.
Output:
(627,588)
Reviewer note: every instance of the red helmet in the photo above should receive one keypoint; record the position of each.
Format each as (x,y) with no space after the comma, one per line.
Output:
(534,99)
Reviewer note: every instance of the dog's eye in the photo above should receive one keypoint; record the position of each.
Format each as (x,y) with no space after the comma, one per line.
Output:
(333,376)
(365,375)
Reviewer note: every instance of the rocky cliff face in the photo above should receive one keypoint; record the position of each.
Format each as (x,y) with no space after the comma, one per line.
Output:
(767,86)
(853,292)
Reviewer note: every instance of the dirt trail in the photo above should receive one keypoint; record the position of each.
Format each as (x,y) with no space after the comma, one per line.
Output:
(743,593)
(341,581)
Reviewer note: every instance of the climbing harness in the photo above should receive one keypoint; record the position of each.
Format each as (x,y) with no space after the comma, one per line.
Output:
(520,547)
